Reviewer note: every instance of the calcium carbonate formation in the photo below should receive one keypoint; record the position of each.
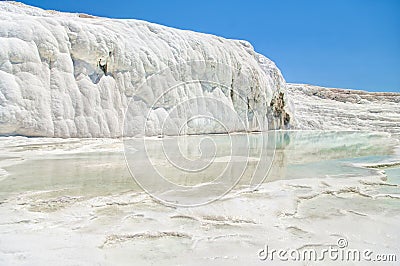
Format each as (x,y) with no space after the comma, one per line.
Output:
(75,75)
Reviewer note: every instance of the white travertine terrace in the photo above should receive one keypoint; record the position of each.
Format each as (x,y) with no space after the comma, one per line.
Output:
(341,109)
(76,75)
(73,75)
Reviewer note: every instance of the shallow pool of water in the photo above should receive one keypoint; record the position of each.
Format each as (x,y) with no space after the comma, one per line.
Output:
(77,200)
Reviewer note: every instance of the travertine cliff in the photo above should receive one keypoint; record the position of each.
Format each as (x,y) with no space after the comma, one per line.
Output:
(75,75)
(340,109)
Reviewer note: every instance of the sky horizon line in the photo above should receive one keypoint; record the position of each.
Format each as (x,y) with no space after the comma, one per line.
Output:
(335,54)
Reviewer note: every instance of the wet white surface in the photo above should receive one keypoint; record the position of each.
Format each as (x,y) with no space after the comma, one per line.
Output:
(73,202)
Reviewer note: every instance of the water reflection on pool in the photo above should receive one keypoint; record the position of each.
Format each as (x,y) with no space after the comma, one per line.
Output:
(66,165)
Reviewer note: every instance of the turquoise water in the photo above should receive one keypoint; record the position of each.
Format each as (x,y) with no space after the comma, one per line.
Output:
(308,154)
(393,175)
(326,168)
(311,154)
(393,178)
(82,191)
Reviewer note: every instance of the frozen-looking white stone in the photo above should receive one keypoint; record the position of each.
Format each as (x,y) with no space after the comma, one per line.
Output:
(342,109)
(74,75)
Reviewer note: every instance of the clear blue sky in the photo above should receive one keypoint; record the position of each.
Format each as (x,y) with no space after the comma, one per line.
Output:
(338,43)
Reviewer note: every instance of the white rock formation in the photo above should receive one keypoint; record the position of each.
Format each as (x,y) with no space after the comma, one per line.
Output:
(340,109)
(73,75)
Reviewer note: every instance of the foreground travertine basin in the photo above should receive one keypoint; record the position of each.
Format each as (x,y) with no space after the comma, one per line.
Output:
(73,201)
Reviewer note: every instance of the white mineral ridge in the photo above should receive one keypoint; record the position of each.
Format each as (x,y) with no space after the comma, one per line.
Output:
(51,84)
(342,109)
